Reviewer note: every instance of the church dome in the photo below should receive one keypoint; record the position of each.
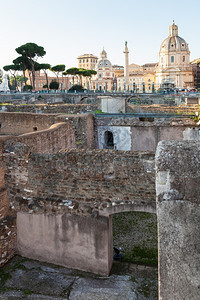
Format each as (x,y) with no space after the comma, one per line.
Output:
(173,42)
(104,63)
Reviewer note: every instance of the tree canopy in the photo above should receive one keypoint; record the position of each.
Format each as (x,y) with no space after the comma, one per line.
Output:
(31,51)
(13,69)
(57,69)
(71,71)
(29,54)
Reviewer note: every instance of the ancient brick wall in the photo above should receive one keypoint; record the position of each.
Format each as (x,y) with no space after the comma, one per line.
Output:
(78,132)
(20,123)
(7,238)
(4,203)
(53,108)
(83,128)
(78,181)
(162,108)
(7,220)
(58,136)
(70,132)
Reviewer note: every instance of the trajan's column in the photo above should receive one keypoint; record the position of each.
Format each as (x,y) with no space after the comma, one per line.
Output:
(126,68)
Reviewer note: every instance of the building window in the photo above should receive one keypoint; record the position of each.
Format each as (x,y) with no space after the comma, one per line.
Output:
(172,59)
(80,61)
(87,60)
(183,58)
(83,60)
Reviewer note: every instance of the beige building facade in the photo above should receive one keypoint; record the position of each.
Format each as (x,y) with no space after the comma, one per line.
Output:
(41,81)
(87,61)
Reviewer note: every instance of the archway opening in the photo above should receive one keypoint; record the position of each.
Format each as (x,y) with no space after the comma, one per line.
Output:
(136,233)
(108,140)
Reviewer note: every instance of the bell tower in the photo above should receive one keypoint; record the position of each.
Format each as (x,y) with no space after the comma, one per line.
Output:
(173,30)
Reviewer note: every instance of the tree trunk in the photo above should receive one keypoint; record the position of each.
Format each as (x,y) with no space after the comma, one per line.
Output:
(24,74)
(33,75)
(30,77)
(47,81)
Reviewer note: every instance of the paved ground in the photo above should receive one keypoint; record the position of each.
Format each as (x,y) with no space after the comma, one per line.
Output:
(22,278)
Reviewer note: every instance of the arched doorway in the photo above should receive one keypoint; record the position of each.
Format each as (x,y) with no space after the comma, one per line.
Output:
(136,234)
(108,140)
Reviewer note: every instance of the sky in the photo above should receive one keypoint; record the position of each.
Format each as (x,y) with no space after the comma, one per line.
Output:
(67,29)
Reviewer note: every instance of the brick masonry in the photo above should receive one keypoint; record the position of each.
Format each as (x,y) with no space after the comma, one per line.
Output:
(7,220)
(52,108)
(68,132)
(79,182)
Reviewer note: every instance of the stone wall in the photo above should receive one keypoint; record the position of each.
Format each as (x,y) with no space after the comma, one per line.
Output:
(70,132)
(77,133)
(78,181)
(4,203)
(58,136)
(73,241)
(20,123)
(178,213)
(51,108)
(7,220)
(68,196)
(156,108)
(140,133)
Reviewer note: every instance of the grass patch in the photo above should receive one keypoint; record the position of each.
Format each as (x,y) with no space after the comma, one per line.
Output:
(142,255)
(4,276)
(78,142)
(5,272)
(136,234)
(27,292)
(98,112)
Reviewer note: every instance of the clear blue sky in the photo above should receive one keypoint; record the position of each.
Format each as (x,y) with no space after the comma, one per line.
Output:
(67,29)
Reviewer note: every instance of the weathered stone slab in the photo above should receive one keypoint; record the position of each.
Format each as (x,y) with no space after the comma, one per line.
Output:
(116,287)
(178,213)
(40,282)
